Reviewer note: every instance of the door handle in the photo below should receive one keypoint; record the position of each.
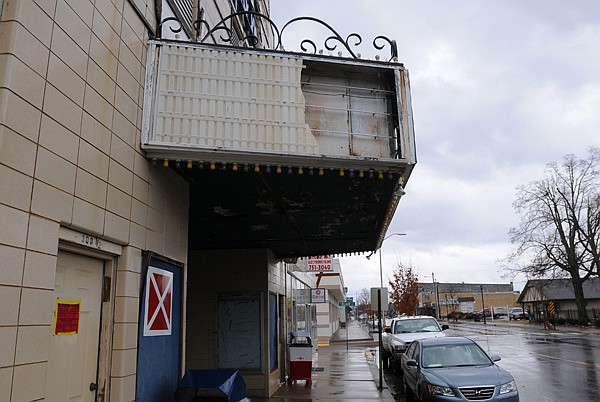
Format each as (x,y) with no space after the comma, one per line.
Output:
(93,387)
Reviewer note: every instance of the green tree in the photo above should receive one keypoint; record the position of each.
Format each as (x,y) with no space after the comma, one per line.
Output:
(559,229)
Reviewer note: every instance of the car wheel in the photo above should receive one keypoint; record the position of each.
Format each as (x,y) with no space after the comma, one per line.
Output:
(385,358)
(410,397)
(397,368)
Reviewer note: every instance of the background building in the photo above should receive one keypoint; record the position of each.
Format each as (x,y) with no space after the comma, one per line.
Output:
(466,297)
(155,176)
(324,315)
(538,293)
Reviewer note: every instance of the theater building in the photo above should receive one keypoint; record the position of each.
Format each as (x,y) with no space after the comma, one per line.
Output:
(161,165)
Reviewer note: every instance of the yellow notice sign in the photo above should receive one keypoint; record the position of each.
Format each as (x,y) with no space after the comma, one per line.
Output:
(66,317)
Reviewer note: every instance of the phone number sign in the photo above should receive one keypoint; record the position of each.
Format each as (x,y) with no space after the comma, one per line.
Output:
(320,263)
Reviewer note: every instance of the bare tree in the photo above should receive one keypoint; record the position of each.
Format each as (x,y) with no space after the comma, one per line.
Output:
(452,291)
(363,300)
(558,235)
(405,289)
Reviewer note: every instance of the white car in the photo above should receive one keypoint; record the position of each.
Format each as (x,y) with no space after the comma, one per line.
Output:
(516,313)
(403,331)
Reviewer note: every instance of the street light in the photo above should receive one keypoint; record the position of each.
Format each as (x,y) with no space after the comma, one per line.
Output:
(379,303)
(380,264)
(433,299)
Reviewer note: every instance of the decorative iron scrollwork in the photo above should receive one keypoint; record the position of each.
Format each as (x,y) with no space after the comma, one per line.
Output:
(335,37)
(240,29)
(248,35)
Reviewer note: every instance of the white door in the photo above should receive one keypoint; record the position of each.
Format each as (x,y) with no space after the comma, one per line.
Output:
(73,351)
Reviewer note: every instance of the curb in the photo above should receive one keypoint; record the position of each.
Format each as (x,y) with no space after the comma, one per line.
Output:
(540,327)
(339,340)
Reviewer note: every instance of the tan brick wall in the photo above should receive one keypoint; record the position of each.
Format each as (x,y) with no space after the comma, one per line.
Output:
(71,89)
(498,299)
(491,300)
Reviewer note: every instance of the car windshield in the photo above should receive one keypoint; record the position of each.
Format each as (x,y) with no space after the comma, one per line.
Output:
(416,325)
(462,355)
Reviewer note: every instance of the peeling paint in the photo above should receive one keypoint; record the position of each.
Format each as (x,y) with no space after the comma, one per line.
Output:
(223,211)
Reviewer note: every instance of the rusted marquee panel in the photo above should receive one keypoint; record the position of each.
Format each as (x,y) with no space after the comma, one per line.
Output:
(208,97)
(301,154)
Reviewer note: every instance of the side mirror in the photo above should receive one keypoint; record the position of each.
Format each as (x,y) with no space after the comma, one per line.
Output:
(412,363)
(445,327)
(388,330)
(495,358)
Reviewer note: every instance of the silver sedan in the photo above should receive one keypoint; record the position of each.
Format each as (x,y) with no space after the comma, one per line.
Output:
(454,369)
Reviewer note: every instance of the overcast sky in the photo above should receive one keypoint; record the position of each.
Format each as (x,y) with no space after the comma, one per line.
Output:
(499,89)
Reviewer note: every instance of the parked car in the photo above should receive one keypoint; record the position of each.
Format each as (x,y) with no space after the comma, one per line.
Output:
(484,312)
(479,315)
(403,331)
(454,368)
(386,323)
(500,312)
(517,313)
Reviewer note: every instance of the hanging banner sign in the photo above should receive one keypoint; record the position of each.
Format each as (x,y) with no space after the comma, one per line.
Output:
(320,263)
(317,295)
(66,317)
(302,296)
(158,303)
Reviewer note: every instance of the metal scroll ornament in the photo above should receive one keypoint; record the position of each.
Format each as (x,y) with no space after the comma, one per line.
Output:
(245,27)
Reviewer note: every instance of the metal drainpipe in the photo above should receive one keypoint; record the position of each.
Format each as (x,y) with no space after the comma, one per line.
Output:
(285,347)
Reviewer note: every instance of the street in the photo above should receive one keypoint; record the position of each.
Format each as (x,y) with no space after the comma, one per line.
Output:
(548,366)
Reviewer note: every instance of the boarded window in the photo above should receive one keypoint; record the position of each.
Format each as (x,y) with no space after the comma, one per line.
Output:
(238,331)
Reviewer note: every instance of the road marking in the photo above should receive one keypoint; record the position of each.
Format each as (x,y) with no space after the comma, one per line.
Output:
(570,361)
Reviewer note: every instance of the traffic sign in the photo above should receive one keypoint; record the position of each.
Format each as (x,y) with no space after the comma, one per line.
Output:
(346,304)
(375,299)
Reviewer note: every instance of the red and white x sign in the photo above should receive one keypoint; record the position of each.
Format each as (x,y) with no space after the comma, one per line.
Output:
(158,304)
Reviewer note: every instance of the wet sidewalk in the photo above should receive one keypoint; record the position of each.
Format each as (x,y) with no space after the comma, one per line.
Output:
(345,370)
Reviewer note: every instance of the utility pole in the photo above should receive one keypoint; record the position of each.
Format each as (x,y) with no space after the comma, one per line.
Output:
(483,304)
(437,296)
(380,308)
(437,315)
(380,342)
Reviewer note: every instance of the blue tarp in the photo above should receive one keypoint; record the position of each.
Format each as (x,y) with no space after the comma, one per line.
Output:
(199,383)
